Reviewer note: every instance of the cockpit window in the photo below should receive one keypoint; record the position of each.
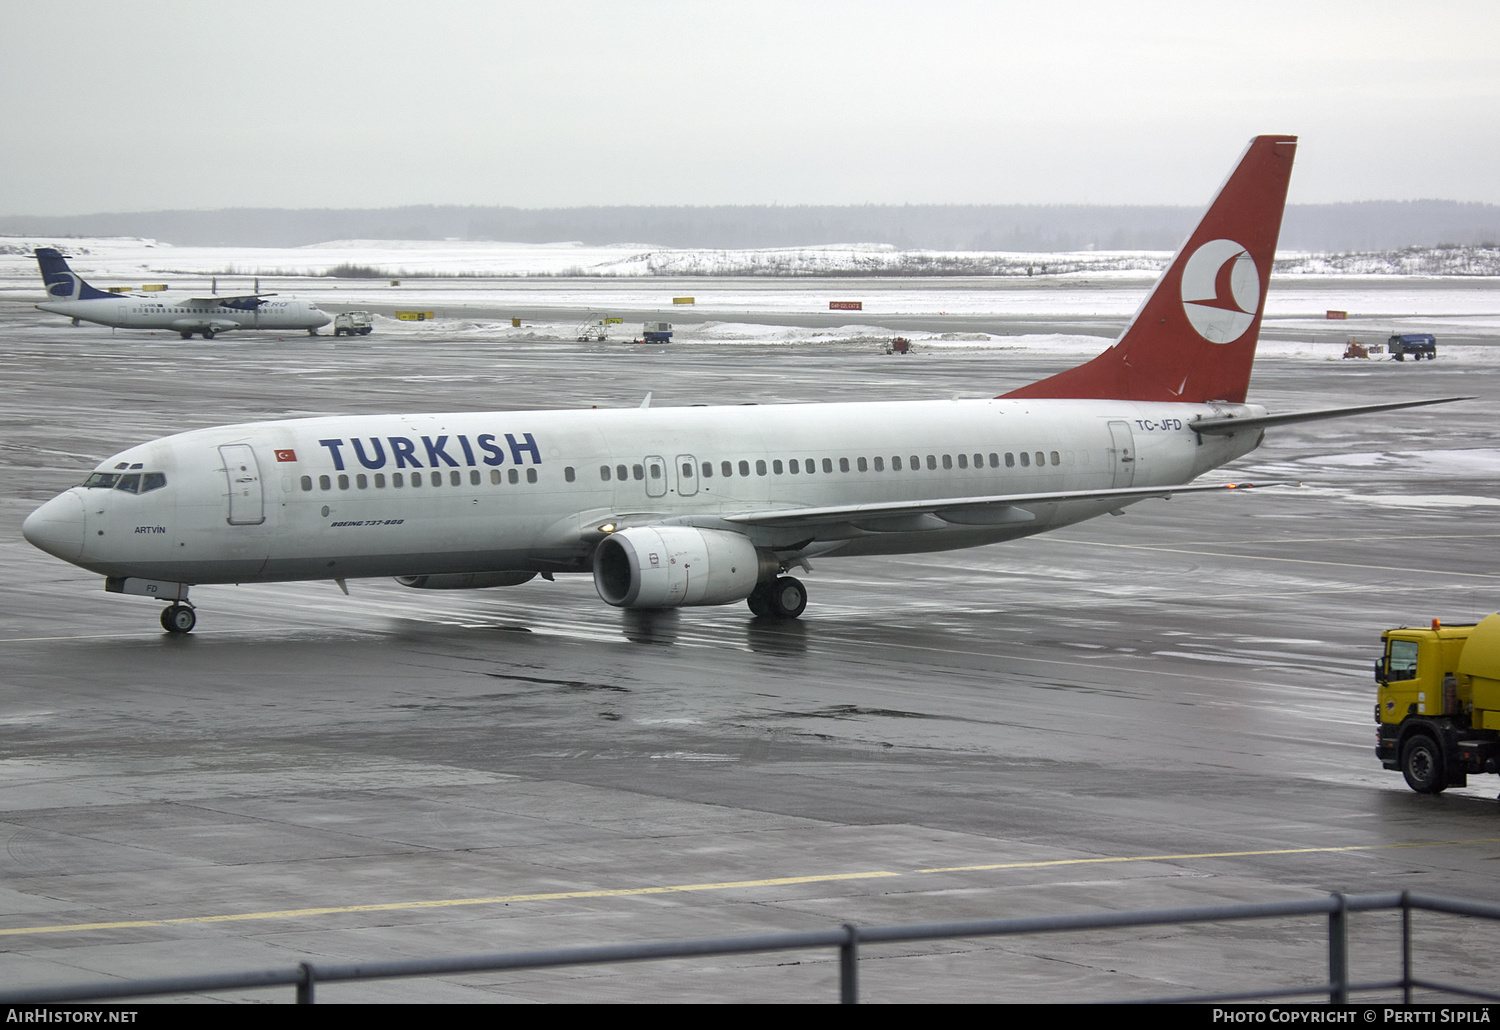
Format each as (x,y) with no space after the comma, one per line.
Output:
(131,482)
(153,481)
(101,479)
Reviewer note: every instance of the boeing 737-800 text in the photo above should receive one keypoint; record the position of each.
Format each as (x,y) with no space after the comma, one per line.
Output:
(73,297)
(669,507)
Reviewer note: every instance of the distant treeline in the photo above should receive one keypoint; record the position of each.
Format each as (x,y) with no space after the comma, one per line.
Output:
(1326,228)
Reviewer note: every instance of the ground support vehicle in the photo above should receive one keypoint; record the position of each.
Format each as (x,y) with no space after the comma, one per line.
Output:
(1438,703)
(1418,345)
(353,323)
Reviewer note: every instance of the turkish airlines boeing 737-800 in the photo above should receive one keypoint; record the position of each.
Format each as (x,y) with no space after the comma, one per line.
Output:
(704,505)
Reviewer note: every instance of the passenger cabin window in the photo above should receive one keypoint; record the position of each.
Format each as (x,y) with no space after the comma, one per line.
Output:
(514,476)
(567,474)
(745,468)
(760,467)
(604,473)
(307,482)
(530,475)
(495,476)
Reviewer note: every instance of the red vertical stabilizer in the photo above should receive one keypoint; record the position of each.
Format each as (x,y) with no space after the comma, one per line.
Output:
(1194,337)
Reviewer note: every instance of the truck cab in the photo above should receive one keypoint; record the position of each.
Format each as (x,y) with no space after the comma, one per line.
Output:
(1438,703)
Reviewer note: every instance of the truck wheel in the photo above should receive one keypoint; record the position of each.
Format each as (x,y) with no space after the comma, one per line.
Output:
(1422,765)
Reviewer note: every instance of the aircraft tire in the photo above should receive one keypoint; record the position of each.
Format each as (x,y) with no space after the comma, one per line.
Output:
(1422,765)
(178,619)
(760,600)
(186,336)
(788,598)
(208,334)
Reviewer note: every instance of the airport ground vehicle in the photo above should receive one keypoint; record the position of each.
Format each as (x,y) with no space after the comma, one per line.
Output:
(353,323)
(1438,704)
(656,332)
(1418,345)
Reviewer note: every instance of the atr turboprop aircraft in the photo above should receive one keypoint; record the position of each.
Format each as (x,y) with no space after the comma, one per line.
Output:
(669,507)
(81,302)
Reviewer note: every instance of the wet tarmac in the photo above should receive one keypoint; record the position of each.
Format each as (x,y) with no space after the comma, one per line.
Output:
(1165,709)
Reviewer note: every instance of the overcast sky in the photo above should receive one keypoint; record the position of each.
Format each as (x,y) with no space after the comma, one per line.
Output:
(143,105)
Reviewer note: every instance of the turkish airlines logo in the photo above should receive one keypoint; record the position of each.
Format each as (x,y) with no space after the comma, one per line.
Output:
(1220,290)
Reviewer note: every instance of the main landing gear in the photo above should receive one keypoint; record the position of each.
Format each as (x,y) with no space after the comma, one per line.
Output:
(178,619)
(781,598)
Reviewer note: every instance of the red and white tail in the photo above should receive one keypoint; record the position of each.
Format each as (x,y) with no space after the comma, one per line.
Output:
(1194,337)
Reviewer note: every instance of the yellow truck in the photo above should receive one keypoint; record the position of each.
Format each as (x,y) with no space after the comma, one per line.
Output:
(1438,704)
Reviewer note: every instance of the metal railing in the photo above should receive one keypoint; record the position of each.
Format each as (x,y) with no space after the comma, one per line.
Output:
(848,939)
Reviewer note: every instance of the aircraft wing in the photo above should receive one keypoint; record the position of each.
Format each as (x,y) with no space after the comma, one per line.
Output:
(998,509)
(1231,424)
(223,299)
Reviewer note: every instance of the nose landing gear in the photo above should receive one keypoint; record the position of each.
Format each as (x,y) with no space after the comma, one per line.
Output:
(178,619)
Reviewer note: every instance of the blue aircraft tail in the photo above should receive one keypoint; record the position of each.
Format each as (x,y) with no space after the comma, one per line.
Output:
(62,282)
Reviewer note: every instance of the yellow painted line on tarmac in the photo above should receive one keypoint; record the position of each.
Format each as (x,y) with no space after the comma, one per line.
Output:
(1205,854)
(625,892)
(396,906)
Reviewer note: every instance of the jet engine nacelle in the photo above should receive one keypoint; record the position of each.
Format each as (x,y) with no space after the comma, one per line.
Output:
(465,580)
(673,566)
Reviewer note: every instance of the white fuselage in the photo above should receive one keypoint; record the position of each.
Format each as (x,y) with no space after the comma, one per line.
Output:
(192,314)
(411,495)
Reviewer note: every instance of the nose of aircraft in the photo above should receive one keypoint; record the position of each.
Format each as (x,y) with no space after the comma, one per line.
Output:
(57,526)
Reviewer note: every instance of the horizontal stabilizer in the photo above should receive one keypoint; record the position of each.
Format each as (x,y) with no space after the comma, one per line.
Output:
(971,505)
(1235,425)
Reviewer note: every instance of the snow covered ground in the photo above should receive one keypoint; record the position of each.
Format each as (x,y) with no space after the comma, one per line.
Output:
(471,285)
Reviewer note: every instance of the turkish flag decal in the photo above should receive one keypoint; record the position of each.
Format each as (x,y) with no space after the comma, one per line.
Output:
(286,455)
